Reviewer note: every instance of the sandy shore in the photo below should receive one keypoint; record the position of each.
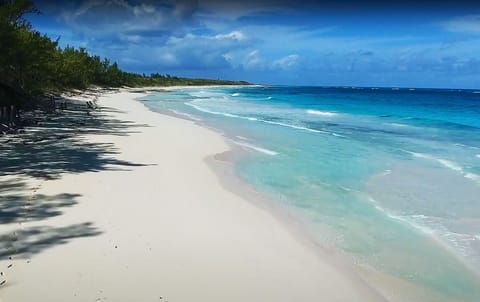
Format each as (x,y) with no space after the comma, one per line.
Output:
(146,219)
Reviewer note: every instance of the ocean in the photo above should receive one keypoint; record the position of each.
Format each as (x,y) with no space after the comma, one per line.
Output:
(390,177)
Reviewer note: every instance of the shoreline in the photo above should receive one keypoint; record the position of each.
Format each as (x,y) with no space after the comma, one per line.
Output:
(222,164)
(392,287)
(112,240)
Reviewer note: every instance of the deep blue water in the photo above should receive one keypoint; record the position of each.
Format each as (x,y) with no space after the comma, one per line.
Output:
(391,177)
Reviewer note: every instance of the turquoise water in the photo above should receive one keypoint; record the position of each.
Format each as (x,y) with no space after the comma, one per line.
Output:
(389,176)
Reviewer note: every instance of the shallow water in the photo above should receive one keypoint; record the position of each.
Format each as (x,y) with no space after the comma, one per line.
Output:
(392,175)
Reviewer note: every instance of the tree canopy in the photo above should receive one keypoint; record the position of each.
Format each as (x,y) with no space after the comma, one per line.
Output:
(31,63)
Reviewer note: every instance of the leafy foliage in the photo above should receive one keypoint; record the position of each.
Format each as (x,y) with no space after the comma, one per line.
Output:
(32,64)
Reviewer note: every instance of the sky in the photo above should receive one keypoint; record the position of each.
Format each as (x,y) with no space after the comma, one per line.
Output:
(326,43)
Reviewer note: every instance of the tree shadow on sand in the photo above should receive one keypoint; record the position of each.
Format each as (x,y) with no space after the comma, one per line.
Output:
(26,242)
(17,205)
(55,146)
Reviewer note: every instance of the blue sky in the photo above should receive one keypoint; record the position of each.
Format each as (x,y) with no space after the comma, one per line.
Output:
(407,44)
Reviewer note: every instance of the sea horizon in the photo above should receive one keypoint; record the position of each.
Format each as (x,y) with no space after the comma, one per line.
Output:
(446,88)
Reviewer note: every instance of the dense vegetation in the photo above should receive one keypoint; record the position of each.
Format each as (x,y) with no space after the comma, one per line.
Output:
(32,64)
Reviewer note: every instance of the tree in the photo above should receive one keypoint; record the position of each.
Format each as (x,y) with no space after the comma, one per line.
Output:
(32,63)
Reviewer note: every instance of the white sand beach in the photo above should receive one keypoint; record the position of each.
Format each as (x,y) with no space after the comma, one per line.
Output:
(152,222)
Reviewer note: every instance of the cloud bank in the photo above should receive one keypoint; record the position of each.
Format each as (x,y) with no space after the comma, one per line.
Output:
(311,43)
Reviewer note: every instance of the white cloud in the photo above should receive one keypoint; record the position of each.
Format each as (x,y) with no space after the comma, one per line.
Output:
(254,61)
(100,17)
(229,57)
(234,35)
(197,52)
(167,58)
(144,9)
(287,62)
(233,10)
(469,23)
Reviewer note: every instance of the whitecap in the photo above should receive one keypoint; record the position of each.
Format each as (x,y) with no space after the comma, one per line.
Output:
(190,116)
(446,163)
(302,128)
(321,113)
(450,164)
(256,148)
(387,172)
(236,94)
(344,188)
(199,108)
(461,243)
(213,112)
(472,176)
(401,218)
(293,126)
(398,125)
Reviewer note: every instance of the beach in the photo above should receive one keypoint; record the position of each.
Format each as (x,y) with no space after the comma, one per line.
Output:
(144,217)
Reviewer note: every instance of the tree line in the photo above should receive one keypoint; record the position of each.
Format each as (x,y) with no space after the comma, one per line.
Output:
(32,64)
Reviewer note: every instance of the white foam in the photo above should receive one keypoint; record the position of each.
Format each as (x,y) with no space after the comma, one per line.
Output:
(458,242)
(321,113)
(421,155)
(207,94)
(386,172)
(303,128)
(446,163)
(472,176)
(242,138)
(403,219)
(344,188)
(190,116)
(213,112)
(199,108)
(451,165)
(398,125)
(236,94)
(269,98)
(256,148)
(295,127)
